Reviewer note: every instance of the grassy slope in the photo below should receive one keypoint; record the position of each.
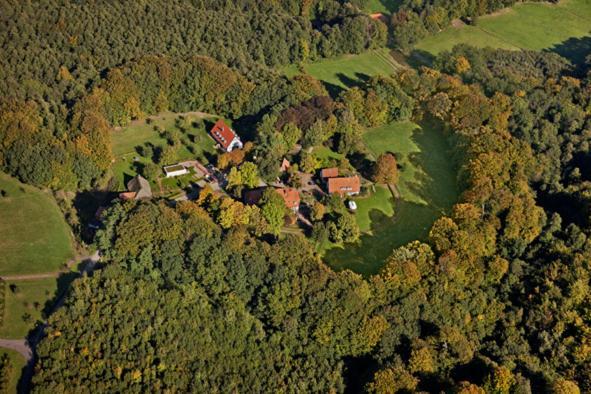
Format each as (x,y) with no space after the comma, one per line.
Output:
(428,189)
(347,70)
(528,26)
(18,363)
(23,301)
(381,200)
(139,133)
(34,236)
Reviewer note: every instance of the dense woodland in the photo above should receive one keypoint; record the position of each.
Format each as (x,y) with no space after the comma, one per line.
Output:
(206,296)
(496,299)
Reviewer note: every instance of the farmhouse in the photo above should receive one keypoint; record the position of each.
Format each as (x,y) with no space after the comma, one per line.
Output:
(349,185)
(138,189)
(175,170)
(331,172)
(225,136)
(290,195)
(291,198)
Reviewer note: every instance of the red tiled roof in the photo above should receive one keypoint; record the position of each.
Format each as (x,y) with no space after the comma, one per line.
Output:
(222,133)
(290,196)
(344,185)
(329,172)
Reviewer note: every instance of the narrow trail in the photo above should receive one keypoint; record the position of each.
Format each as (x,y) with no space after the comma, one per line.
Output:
(18,345)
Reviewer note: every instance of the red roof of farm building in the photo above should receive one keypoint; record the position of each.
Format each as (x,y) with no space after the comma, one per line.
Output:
(290,196)
(222,133)
(329,172)
(344,185)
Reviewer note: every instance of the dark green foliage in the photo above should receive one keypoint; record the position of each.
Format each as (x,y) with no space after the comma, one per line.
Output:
(199,310)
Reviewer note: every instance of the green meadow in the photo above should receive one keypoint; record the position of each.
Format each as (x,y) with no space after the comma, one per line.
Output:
(34,237)
(24,305)
(427,187)
(536,26)
(345,71)
(142,132)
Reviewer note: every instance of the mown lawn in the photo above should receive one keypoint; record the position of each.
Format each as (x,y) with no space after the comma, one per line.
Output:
(128,161)
(348,70)
(17,364)
(29,298)
(380,200)
(558,27)
(428,190)
(34,237)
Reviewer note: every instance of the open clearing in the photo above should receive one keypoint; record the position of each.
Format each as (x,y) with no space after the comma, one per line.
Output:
(564,28)
(428,190)
(348,70)
(139,133)
(34,237)
(30,298)
(383,6)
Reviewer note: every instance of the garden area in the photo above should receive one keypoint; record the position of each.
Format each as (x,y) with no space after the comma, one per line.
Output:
(146,145)
(34,237)
(537,26)
(427,187)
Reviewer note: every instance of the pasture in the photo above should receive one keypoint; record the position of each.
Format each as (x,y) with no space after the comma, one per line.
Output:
(564,28)
(195,142)
(25,301)
(345,71)
(34,237)
(427,187)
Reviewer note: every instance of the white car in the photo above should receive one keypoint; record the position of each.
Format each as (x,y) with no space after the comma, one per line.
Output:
(352,205)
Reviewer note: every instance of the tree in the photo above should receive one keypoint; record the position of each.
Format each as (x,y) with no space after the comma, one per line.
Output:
(386,169)
(273,209)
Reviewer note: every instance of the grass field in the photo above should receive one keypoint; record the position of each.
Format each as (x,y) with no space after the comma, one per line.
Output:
(345,71)
(30,298)
(427,186)
(18,363)
(558,27)
(383,6)
(380,200)
(34,236)
(139,133)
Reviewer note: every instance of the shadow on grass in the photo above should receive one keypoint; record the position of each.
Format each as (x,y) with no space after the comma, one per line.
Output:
(418,58)
(435,184)
(574,49)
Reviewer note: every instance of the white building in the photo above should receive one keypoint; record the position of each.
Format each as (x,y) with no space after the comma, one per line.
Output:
(175,170)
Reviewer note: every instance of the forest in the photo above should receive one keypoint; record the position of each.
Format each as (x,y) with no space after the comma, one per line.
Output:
(210,295)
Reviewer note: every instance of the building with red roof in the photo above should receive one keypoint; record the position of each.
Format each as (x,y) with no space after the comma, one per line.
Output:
(331,172)
(346,185)
(291,197)
(225,136)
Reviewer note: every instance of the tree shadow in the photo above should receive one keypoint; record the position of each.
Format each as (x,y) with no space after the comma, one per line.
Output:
(333,90)
(419,58)
(435,182)
(86,204)
(575,50)
(347,80)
